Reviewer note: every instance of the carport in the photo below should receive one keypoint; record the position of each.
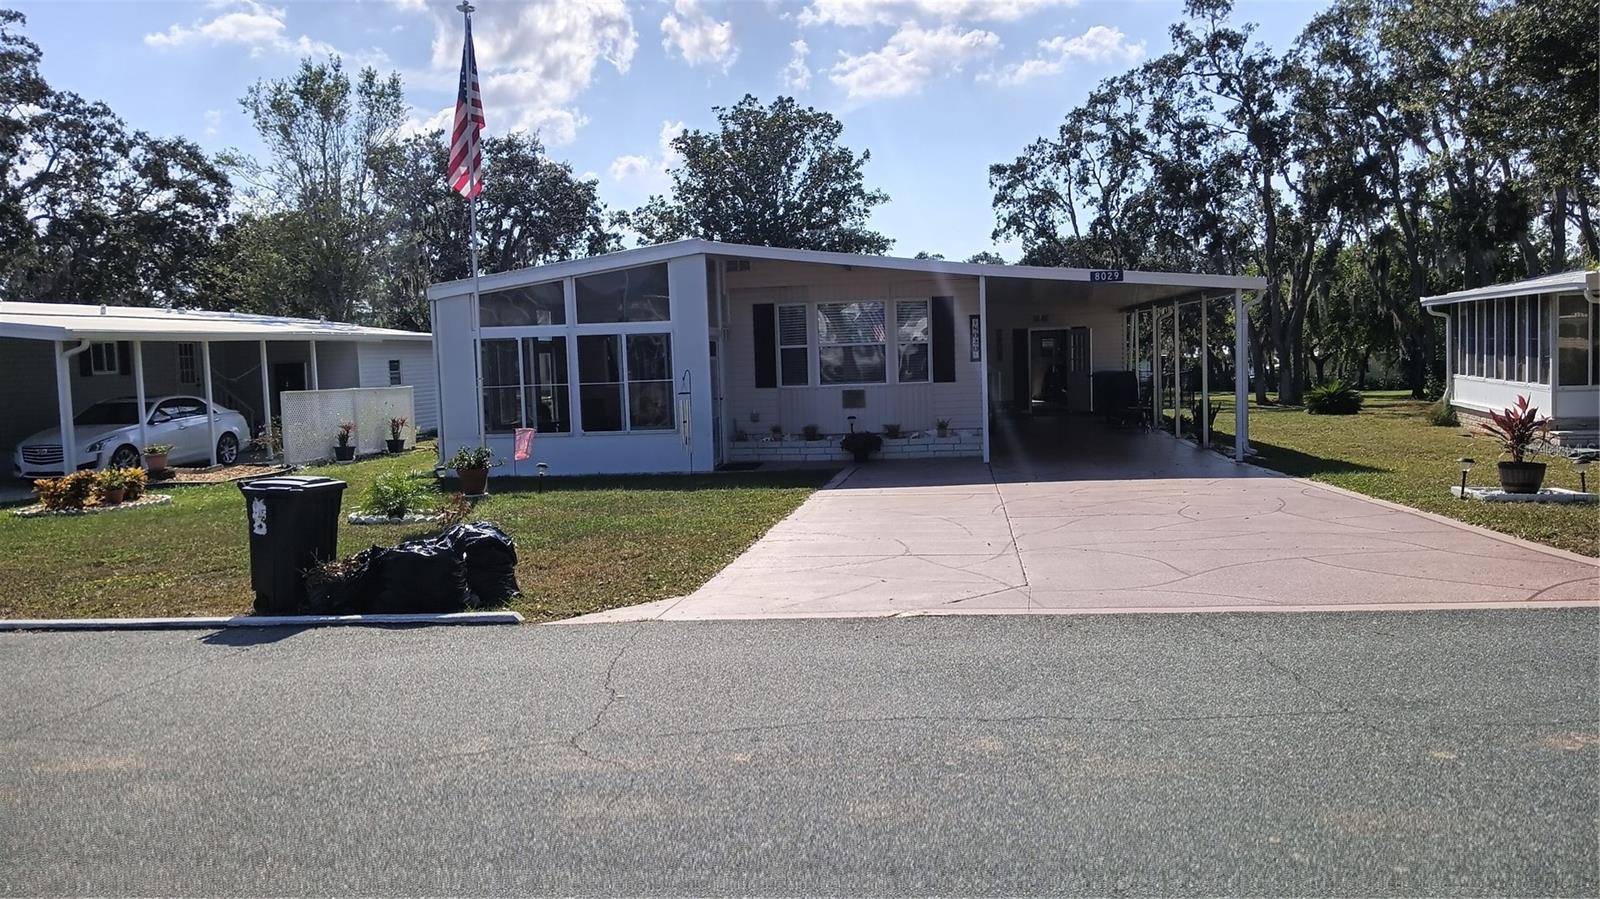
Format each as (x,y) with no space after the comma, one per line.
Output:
(1054,334)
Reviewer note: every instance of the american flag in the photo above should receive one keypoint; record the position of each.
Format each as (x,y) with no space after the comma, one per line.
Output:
(466,151)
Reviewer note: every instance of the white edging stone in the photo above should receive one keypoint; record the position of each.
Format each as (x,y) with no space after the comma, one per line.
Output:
(214,623)
(410,518)
(143,502)
(1547,495)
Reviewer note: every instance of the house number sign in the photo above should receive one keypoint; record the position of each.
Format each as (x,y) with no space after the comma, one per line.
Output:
(974,339)
(1105,274)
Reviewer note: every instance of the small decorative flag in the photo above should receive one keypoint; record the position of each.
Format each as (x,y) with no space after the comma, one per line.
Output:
(466,151)
(524,444)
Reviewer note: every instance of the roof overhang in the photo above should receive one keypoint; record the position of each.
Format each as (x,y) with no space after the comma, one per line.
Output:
(1163,283)
(63,321)
(1564,282)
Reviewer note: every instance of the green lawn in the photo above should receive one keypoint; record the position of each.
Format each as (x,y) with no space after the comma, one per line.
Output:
(585,544)
(1391,452)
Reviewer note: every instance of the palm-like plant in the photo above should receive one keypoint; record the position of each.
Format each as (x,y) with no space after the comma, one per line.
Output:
(1517,427)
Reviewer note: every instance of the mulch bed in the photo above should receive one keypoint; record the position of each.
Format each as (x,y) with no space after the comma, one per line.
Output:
(222,474)
(149,499)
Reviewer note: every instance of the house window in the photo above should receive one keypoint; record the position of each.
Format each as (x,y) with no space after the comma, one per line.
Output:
(626,295)
(794,356)
(911,339)
(525,385)
(1542,304)
(186,368)
(1574,342)
(631,392)
(534,304)
(103,358)
(394,372)
(851,343)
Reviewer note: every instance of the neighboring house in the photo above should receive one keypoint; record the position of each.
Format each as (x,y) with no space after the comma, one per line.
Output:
(1538,338)
(688,356)
(56,359)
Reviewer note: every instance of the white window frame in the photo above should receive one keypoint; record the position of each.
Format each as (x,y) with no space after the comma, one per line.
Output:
(395,377)
(806,314)
(523,385)
(885,343)
(899,344)
(103,358)
(622,333)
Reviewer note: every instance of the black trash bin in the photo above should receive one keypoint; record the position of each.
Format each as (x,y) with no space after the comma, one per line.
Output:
(294,524)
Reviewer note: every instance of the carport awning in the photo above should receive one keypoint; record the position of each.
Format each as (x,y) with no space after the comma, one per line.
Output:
(71,321)
(1137,289)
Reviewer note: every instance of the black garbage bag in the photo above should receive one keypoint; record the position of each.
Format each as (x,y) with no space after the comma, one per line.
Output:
(346,587)
(491,560)
(421,576)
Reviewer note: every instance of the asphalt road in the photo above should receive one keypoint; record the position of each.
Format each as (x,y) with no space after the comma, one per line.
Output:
(1338,753)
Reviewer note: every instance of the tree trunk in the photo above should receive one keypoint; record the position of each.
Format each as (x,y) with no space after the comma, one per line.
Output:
(1558,231)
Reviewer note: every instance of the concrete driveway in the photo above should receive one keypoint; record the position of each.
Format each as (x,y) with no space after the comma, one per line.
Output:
(1099,520)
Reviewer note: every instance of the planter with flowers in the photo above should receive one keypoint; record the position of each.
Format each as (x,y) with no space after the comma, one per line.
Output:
(344,451)
(397,435)
(472,468)
(1515,429)
(155,456)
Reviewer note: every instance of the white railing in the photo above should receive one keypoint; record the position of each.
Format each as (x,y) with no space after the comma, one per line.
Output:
(311,420)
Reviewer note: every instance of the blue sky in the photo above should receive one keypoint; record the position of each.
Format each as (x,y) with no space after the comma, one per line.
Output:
(936,89)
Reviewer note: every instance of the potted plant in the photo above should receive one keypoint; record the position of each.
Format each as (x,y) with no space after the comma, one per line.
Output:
(776,431)
(155,456)
(943,427)
(861,444)
(134,481)
(472,467)
(1515,429)
(111,486)
(891,431)
(397,440)
(343,451)
(811,432)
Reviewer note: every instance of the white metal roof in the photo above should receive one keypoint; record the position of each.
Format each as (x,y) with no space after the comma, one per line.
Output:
(663,252)
(70,321)
(1565,282)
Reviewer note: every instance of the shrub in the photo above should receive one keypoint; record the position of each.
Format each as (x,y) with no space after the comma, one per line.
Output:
(70,492)
(465,459)
(346,428)
(1333,398)
(158,449)
(1516,428)
(109,480)
(811,432)
(891,430)
(134,479)
(397,427)
(1442,415)
(396,494)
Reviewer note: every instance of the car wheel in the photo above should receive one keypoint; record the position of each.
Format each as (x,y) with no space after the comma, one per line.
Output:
(227,449)
(126,456)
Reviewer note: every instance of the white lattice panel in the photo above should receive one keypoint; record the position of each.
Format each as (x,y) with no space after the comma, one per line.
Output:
(311,420)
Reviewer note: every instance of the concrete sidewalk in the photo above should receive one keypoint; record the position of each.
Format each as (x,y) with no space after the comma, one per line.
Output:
(1126,522)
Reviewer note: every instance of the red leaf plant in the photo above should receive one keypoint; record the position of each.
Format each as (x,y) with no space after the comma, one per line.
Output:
(1517,427)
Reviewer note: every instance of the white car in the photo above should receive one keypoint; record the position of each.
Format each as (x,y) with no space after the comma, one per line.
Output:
(108,436)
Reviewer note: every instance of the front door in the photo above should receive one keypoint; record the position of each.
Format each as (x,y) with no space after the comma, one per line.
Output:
(1058,370)
(286,376)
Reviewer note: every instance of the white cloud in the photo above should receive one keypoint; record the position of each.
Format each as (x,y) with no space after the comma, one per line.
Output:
(860,13)
(1099,44)
(912,57)
(213,118)
(697,37)
(534,59)
(249,24)
(797,74)
(648,172)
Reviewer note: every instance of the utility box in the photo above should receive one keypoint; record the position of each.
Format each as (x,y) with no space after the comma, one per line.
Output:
(294,525)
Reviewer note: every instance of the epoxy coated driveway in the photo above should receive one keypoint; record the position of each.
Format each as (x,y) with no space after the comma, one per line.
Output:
(1108,521)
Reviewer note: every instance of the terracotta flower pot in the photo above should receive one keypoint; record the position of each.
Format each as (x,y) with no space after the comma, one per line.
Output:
(155,461)
(396,445)
(1521,477)
(344,453)
(474,481)
(113,496)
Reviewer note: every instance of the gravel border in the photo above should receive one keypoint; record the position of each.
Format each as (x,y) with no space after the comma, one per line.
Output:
(410,518)
(149,499)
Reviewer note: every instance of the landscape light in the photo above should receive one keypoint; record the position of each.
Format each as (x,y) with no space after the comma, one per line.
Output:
(1582,462)
(544,469)
(1466,466)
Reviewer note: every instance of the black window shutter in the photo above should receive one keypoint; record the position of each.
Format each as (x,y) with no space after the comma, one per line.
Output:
(943,329)
(86,361)
(124,357)
(764,338)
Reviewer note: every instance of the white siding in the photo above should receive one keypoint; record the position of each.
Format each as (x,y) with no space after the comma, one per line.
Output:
(912,406)
(416,370)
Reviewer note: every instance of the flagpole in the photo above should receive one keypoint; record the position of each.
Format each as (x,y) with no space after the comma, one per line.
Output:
(466,9)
